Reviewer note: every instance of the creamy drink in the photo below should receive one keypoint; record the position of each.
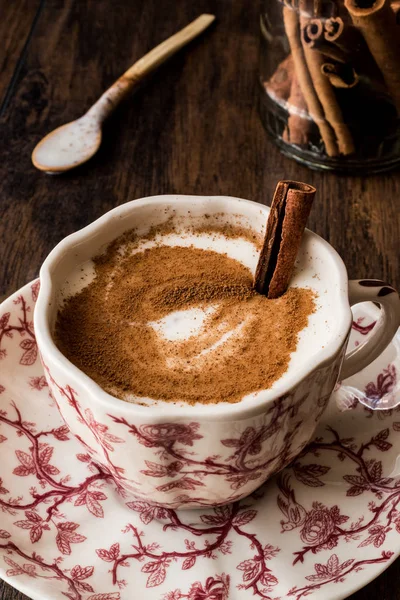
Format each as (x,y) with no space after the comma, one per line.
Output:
(172,316)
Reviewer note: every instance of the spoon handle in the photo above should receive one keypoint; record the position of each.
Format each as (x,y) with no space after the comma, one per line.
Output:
(106,104)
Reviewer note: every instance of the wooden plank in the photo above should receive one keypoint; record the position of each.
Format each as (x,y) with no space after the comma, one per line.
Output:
(7,592)
(16,23)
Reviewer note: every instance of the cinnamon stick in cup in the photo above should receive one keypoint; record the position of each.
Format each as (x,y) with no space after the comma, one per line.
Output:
(287,219)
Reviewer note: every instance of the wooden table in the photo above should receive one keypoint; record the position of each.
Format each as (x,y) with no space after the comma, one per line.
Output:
(193,129)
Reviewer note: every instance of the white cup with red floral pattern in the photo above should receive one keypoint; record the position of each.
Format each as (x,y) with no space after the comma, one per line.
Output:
(188,456)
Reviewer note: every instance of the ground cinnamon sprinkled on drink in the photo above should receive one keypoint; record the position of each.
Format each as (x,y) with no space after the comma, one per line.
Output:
(243,345)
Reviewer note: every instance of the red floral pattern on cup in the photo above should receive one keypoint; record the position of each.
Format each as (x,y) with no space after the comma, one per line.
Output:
(214,588)
(253,454)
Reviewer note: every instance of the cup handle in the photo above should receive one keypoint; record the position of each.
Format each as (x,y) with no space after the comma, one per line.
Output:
(372,290)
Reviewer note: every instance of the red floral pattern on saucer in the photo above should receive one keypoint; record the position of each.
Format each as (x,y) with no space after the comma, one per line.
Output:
(325,526)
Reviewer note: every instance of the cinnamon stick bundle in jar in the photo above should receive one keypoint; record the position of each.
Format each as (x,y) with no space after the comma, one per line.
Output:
(340,51)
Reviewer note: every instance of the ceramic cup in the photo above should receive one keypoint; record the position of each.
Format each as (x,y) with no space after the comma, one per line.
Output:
(183,456)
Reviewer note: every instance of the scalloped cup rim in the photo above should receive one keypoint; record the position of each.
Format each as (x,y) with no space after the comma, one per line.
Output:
(162,409)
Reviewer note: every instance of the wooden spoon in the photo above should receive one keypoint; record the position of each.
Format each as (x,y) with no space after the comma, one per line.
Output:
(72,144)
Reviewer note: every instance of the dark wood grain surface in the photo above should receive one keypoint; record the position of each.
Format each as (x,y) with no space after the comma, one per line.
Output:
(16,26)
(192,129)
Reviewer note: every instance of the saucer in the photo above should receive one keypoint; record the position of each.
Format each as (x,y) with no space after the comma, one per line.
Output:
(326,526)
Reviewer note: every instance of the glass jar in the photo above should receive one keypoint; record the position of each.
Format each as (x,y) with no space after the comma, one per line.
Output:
(330,82)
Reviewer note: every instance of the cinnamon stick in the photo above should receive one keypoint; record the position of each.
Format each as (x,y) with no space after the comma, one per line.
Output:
(377,23)
(339,75)
(313,31)
(291,21)
(395,6)
(328,9)
(314,37)
(345,37)
(326,96)
(349,40)
(299,122)
(316,8)
(335,29)
(287,219)
(278,86)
